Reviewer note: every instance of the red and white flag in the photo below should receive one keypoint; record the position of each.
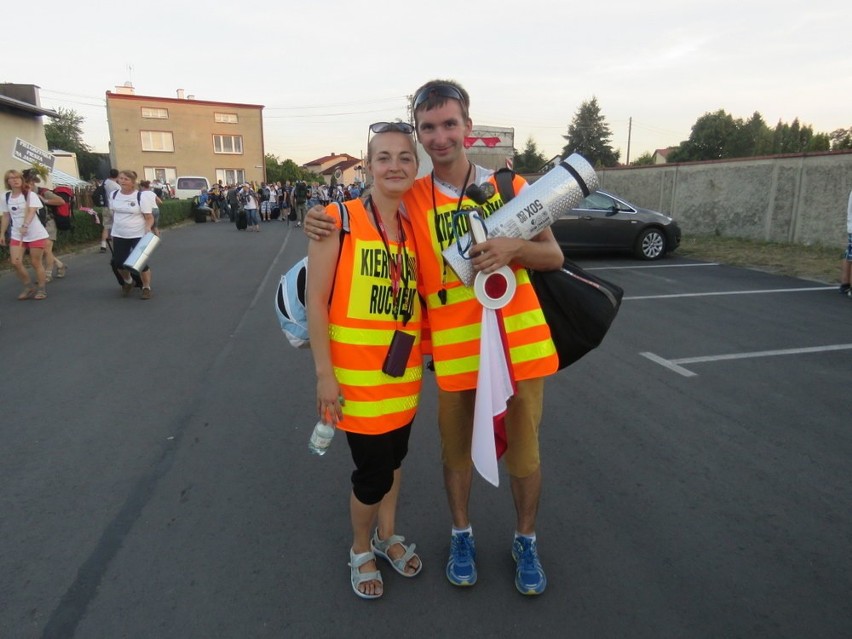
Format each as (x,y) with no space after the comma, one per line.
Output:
(494,387)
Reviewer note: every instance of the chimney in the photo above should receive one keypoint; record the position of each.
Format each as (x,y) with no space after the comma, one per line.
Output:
(180,94)
(125,89)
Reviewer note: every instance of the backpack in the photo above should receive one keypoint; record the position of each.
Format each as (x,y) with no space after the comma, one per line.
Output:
(62,214)
(99,195)
(300,192)
(290,296)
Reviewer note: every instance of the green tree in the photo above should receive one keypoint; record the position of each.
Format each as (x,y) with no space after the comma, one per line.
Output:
(713,137)
(755,136)
(531,160)
(795,138)
(841,139)
(281,171)
(645,159)
(65,133)
(590,136)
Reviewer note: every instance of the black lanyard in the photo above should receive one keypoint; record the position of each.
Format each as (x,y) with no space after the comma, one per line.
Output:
(442,294)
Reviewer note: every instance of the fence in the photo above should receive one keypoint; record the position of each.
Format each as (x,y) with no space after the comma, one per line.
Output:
(798,199)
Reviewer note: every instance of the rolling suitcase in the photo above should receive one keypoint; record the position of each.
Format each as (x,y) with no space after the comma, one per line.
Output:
(242,220)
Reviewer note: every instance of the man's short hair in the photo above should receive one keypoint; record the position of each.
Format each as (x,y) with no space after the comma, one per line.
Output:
(435,93)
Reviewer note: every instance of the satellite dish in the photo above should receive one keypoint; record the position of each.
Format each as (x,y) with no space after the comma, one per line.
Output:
(338,174)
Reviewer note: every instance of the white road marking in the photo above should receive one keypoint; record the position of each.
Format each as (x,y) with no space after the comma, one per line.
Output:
(718,293)
(636,268)
(675,364)
(680,370)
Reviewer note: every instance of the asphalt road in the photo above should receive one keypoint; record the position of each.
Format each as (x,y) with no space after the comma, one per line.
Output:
(155,479)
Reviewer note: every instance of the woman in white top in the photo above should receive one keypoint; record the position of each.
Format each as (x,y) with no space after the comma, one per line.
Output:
(132,218)
(19,206)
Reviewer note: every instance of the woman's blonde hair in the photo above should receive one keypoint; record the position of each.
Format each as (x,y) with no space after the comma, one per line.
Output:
(25,187)
(129,174)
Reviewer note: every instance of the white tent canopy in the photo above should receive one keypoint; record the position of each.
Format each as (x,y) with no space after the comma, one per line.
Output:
(60,178)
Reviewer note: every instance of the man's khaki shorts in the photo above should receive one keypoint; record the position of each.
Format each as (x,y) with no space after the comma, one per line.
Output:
(106,217)
(455,421)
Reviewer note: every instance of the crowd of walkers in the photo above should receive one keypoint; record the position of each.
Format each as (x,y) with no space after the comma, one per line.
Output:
(264,202)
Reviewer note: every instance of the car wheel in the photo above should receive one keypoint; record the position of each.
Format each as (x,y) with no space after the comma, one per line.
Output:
(651,244)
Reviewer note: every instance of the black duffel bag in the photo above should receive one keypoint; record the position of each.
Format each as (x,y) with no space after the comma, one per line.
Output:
(579,308)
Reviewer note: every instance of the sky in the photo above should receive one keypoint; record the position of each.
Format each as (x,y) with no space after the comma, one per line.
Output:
(325,70)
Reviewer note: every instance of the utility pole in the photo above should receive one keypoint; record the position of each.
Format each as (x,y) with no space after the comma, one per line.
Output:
(629,131)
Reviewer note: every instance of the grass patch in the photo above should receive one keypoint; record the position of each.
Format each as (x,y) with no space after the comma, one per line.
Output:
(817,263)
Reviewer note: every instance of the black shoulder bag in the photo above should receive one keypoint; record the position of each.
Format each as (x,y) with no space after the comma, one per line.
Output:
(579,307)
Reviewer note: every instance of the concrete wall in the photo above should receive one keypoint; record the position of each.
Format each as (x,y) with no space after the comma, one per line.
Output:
(800,199)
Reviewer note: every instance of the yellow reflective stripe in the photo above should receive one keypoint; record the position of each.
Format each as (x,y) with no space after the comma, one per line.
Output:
(463,293)
(523,320)
(380,407)
(351,377)
(472,332)
(458,365)
(361,336)
(454,296)
(534,351)
(518,355)
(457,335)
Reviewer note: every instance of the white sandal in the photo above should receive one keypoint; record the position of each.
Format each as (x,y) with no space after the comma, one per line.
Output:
(380,547)
(357,577)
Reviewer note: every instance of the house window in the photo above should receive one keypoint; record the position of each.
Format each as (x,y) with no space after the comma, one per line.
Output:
(157,141)
(151,112)
(165,174)
(226,118)
(231,176)
(227,144)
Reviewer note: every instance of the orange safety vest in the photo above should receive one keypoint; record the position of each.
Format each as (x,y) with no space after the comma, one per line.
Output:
(361,326)
(456,325)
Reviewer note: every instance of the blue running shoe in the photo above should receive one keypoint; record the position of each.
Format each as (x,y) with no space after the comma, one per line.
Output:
(529,576)
(461,566)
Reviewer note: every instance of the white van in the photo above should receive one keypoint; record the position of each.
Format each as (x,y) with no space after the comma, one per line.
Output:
(188,186)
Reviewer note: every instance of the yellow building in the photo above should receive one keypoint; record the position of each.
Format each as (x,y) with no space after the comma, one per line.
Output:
(163,138)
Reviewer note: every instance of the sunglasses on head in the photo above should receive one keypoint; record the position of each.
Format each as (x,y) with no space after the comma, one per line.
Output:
(441,90)
(399,127)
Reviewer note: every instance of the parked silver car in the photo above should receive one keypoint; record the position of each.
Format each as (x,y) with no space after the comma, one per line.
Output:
(606,222)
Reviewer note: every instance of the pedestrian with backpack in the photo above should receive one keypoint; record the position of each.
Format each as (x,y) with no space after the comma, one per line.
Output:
(132,218)
(110,186)
(300,199)
(249,199)
(48,199)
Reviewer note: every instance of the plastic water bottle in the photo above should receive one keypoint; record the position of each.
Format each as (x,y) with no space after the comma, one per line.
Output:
(321,438)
